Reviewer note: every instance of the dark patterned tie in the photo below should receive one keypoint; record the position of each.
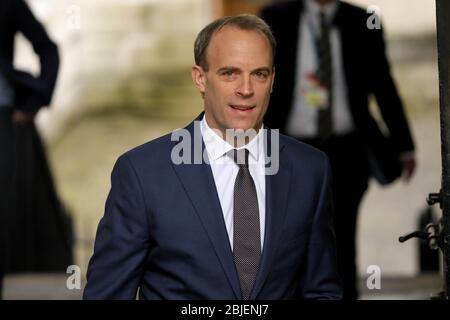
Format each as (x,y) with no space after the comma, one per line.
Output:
(325,74)
(246,237)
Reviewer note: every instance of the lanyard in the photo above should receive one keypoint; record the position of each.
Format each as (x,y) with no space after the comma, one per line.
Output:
(315,34)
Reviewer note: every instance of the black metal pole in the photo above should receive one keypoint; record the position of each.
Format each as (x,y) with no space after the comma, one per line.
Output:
(443,36)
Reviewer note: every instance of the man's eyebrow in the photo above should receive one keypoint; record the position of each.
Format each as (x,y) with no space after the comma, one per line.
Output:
(231,68)
(269,70)
(227,68)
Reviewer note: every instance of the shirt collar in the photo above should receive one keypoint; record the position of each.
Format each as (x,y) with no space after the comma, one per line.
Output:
(218,147)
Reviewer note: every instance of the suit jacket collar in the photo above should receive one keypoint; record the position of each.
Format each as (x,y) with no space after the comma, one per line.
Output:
(199,185)
(218,147)
(277,191)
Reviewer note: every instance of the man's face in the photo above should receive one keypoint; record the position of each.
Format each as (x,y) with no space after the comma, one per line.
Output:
(239,79)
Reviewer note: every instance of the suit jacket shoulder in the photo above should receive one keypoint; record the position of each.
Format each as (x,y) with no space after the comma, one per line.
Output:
(151,152)
(303,156)
(355,17)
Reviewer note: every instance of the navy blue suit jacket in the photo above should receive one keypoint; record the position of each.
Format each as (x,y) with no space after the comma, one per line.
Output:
(163,232)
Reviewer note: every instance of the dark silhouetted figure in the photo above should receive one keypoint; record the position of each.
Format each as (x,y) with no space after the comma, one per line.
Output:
(330,59)
(33,234)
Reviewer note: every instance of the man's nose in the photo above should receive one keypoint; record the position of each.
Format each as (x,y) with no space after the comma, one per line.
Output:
(245,87)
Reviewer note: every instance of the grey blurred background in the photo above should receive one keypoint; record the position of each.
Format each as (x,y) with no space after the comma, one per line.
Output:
(125,79)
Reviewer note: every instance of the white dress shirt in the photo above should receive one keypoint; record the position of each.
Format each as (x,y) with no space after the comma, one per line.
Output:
(225,170)
(302,122)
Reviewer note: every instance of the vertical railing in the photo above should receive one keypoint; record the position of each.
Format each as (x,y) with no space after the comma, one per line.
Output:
(443,36)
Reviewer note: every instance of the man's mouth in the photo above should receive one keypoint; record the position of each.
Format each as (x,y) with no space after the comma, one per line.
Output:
(242,107)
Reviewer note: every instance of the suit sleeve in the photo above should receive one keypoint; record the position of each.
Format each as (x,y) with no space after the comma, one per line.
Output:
(39,91)
(320,279)
(386,94)
(122,239)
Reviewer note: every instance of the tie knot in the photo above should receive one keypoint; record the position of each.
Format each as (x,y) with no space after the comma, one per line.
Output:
(323,19)
(240,157)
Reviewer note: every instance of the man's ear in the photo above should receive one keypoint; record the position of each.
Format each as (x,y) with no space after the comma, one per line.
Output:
(198,76)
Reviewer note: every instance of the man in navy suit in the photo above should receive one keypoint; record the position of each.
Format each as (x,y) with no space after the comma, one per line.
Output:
(209,217)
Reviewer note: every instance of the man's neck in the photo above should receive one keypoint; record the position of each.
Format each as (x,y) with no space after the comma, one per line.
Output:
(321,4)
(235,137)
(324,3)
(328,7)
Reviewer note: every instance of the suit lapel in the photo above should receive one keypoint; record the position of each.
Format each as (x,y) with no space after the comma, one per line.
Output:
(277,189)
(198,183)
(347,37)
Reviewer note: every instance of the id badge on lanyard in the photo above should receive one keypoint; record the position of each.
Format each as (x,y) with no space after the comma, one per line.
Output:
(314,92)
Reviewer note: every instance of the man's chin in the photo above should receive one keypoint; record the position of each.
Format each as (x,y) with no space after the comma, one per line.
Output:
(243,128)
(243,124)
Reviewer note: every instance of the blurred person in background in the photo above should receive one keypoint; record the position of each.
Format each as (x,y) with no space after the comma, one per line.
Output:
(328,63)
(31,219)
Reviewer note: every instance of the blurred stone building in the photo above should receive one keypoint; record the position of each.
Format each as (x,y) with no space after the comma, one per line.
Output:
(120,54)
(135,56)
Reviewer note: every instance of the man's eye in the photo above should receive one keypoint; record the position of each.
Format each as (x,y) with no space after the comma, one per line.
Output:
(262,74)
(228,73)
